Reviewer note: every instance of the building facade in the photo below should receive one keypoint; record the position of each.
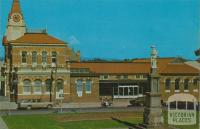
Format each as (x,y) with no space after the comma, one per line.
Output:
(35,62)
(40,66)
(1,79)
(120,80)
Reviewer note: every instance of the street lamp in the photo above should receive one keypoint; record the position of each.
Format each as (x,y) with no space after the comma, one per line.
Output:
(6,76)
(14,82)
(53,80)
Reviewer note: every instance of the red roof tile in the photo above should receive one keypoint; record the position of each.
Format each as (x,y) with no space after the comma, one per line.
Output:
(37,38)
(114,68)
(179,68)
(134,68)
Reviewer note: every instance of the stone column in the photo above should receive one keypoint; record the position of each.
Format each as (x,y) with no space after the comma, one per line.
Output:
(153,117)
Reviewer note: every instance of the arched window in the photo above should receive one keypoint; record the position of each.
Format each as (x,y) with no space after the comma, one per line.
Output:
(186,84)
(44,57)
(177,81)
(27,86)
(48,85)
(34,57)
(59,85)
(167,84)
(88,86)
(79,87)
(38,86)
(24,57)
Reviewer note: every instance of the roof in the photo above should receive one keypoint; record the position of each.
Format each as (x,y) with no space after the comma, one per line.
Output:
(167,59)
(37,38)
(114,68)
(194,64)
(15,7)
(136,67)
(179,68)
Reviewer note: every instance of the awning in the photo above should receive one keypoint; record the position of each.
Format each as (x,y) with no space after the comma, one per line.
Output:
(182,97)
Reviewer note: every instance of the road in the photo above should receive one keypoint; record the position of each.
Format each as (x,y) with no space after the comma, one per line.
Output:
(67,110)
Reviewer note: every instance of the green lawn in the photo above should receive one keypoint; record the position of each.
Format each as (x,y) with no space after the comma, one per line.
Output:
(51,122)
(78,121)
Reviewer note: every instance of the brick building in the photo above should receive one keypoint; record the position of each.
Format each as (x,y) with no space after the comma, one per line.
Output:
(40,66)
(120,80)
(35,61)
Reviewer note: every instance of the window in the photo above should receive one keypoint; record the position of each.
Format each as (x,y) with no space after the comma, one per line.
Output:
(167,84)
(79,87)
(38,86)
(137,76)
(103,77)
(34,57)
(141,90)
(125,76)
(48,85)
(181,105)
(53,57)
(177,81)
(88,86)
(186,84)
(24,57)
(135,90)
(145,76)
(195,82)
(44,57)
(173,105)
(118,76)
(59,85)
(190,105)
(27,86)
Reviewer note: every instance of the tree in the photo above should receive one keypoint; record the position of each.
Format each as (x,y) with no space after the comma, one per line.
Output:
(197,52)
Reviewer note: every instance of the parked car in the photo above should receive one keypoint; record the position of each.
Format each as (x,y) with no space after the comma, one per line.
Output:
(34,103)
(137,101)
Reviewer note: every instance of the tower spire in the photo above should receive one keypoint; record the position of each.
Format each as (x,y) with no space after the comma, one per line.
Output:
(16,25)
(15,8)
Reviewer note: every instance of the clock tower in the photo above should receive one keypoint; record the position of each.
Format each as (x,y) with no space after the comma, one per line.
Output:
(16,26)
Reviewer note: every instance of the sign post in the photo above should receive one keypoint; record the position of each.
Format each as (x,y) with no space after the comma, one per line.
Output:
(60,96)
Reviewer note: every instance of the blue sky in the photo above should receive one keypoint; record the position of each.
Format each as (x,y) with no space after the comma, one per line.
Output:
(115,28)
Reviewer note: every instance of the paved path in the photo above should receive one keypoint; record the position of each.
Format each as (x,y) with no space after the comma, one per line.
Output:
(3,124)
(72,110)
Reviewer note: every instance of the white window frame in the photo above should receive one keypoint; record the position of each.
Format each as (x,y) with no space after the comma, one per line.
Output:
(27,93)
(37,92)
(86,91)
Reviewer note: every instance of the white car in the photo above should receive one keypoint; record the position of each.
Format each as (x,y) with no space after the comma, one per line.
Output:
(34,103)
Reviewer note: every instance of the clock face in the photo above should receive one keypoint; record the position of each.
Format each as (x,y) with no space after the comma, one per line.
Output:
(16,17)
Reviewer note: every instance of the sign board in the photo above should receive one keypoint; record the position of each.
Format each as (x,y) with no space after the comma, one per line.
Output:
(181,117)
(182,109)
(60,95)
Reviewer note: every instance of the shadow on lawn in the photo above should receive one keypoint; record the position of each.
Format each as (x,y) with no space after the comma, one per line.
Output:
(123,122)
